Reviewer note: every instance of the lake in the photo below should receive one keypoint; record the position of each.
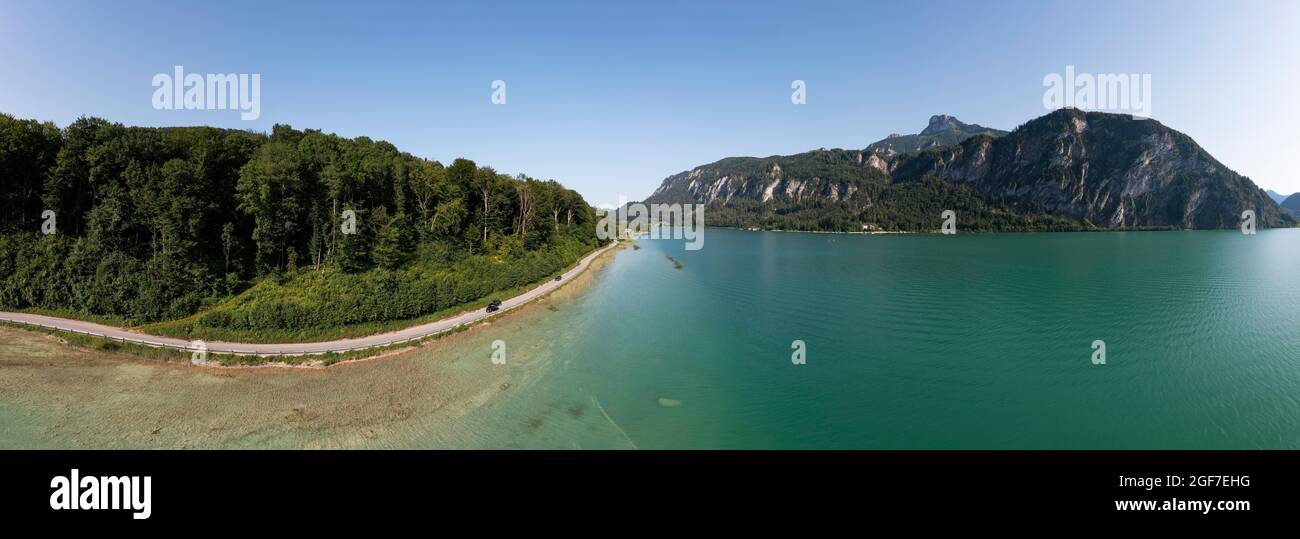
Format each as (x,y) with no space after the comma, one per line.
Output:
(930,341)
(911,341)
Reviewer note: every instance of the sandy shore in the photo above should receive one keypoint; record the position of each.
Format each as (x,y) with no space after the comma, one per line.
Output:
(58,396)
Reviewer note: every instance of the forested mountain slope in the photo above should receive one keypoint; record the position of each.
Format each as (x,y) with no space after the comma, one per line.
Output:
(157,223)
(1067,170)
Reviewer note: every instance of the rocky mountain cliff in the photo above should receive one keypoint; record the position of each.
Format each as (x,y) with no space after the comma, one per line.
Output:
(943,130)
(1110,170)
(1068,169)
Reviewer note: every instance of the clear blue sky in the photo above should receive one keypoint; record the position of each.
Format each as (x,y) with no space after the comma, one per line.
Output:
(610,99)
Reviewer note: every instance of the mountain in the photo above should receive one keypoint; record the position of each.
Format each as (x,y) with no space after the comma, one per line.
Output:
(1292,205)
(1068,169)
(943,130)
(1276,196)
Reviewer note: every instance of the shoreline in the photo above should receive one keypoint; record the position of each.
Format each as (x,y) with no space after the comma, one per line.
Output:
(987,232)
(603,258)
(410,338)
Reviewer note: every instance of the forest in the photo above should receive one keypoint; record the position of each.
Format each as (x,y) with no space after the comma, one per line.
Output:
(835,191)
(289,230)
(907,206)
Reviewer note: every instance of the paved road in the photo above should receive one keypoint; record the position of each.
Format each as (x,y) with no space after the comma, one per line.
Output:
(296,349)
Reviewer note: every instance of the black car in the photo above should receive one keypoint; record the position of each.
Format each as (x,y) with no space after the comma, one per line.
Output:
(494,305)
(557,277)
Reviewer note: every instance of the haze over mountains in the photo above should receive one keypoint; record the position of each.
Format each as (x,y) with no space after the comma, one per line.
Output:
(1292,205)
(1066,170)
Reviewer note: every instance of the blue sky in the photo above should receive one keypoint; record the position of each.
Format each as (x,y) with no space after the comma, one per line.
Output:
(610,99)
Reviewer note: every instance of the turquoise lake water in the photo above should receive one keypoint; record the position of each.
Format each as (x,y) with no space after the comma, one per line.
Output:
(912,341)
(929,341)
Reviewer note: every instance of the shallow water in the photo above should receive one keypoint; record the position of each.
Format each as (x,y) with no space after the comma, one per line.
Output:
(442,395)
(913,341)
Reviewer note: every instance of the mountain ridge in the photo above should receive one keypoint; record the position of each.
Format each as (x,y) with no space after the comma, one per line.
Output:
(1065,170)
(942,130)
(1291,205)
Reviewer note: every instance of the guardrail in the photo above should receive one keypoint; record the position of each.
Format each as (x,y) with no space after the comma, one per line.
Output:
(235,352)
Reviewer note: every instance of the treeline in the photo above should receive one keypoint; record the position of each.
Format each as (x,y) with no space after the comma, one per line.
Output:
(837,191)
(153,223)
(306,304)
(909,206)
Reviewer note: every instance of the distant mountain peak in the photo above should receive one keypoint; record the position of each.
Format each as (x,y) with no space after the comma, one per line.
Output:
(1066,170)
(943,123)
(943,130)
(940,123)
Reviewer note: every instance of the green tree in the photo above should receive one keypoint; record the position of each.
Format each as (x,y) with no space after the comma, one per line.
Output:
(393,243)
(270,190)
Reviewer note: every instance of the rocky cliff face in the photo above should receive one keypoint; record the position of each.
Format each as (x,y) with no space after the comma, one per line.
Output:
(826,175)
(943,130)
(1095,169)
(1111,170)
